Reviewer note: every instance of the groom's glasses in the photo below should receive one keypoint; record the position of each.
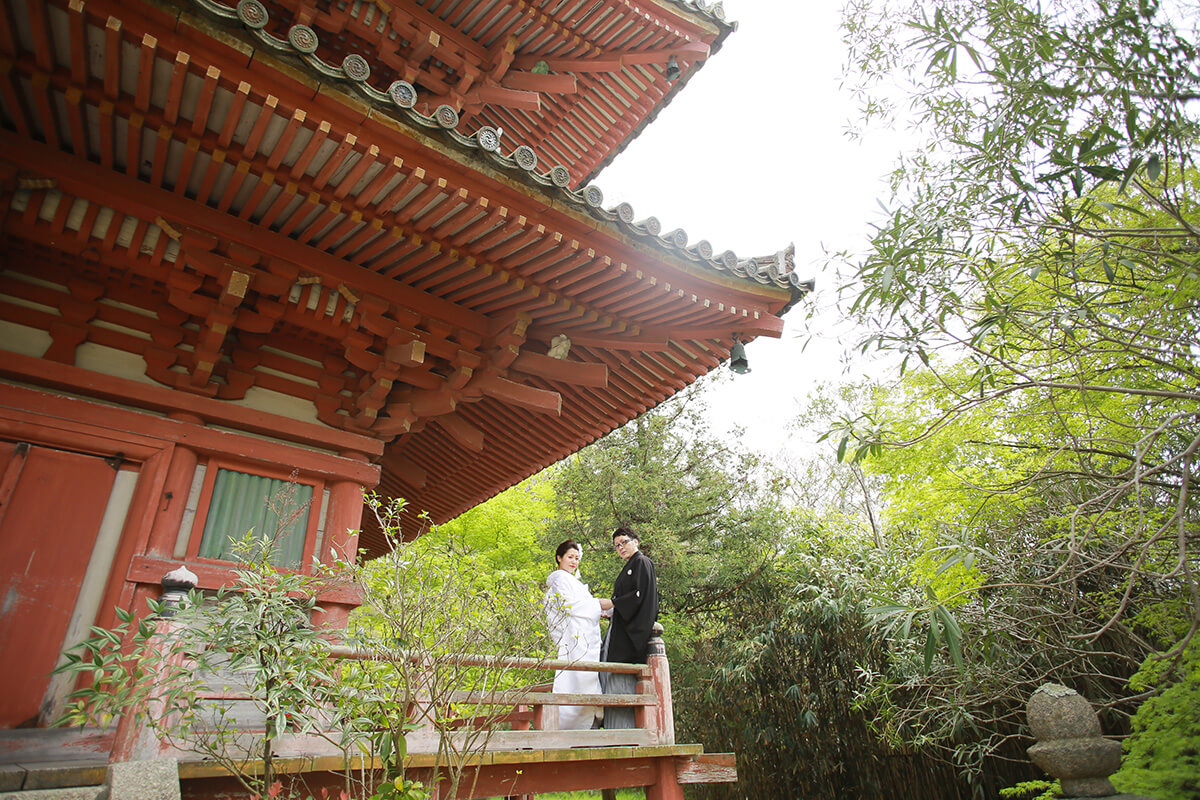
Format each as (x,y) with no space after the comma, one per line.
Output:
(619,543)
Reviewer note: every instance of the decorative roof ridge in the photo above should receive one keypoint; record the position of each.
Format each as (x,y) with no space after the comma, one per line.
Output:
(714,11)
(400,98)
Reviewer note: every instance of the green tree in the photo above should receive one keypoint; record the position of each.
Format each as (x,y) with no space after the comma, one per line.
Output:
(443,619)
(1036,277)
(709,512)
(788,687)
(505,533)
(1162,753)
(712,516)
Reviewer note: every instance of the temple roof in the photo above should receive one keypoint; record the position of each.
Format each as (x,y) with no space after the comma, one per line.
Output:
(244,223)
(574,80)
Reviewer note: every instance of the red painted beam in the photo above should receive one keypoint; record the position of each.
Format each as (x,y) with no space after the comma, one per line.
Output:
(513,98)
(158,398)
(550,84)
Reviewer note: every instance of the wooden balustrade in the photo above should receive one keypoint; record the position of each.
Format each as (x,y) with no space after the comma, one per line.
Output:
(655,723)
(509,735)
(522,718)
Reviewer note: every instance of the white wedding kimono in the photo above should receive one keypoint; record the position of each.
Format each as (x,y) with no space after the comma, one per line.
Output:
(573,616)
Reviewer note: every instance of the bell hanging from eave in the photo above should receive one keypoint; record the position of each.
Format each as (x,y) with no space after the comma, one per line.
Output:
(737,357)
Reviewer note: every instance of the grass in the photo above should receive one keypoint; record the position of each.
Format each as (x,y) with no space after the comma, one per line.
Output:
(622,794)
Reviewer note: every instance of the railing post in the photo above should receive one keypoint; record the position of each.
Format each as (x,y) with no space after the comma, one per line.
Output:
(545,718)
(660,676)
(133,741)
(666,781)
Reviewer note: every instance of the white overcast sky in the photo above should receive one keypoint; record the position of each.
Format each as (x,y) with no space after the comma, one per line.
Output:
(753,154)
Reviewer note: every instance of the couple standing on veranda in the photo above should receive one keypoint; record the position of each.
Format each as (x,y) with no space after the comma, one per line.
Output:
(573,616)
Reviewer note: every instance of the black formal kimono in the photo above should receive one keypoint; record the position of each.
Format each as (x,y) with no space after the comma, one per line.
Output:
(635,609)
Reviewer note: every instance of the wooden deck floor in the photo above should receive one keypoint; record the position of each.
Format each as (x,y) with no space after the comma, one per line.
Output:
(58,758)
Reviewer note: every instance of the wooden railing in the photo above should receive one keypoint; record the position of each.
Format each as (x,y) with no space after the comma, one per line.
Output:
(507,740)
(524,719)
(530,715)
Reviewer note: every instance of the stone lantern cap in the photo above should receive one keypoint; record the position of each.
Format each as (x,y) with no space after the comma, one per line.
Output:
(1057,712)
(180,578)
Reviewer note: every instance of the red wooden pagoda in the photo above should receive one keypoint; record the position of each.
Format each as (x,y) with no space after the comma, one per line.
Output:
(345,243)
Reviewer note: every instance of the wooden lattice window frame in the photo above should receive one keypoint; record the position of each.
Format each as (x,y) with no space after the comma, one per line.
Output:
(205,507)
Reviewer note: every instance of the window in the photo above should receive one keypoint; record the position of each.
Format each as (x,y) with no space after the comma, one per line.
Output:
(242,503)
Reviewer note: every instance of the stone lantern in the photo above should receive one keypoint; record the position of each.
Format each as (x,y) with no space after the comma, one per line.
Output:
(1070,745)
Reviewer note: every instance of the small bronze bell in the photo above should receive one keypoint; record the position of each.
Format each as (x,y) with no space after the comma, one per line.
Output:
(737,358)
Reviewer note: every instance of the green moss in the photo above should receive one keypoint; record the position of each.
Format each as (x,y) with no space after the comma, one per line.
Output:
(1032,790)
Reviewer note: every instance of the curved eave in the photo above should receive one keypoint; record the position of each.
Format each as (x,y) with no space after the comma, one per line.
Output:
(726,28)
(520,164)
(582,130)
(395,264)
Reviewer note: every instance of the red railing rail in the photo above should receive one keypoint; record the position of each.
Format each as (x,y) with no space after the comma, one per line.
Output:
(523,718)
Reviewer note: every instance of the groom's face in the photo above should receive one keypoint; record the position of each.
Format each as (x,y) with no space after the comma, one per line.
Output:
(625,546)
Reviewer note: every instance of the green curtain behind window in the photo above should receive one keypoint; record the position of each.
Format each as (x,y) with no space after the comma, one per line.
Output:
(267,506)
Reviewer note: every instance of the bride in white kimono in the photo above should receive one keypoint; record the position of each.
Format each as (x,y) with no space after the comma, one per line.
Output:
(573,617)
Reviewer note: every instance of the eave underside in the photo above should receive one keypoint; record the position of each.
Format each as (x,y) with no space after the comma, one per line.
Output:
(572,79)
(162,199)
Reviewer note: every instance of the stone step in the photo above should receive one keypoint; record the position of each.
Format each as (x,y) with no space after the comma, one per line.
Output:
(69,793)
(129,780)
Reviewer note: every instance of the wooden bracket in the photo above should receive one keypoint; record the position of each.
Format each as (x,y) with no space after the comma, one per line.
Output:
(71,330)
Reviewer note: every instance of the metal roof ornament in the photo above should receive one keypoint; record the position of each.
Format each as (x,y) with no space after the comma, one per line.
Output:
(525,157)
(356,67)
(560,176)
(446,116)
(593,196)
(253,14)
(403,94)
(488,138)
(650,225)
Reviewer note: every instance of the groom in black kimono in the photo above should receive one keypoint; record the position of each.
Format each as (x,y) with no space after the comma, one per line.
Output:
(634,612)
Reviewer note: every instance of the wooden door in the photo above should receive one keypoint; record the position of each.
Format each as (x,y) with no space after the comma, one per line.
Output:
(51,506)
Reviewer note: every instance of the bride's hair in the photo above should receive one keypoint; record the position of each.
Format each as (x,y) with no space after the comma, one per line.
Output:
(569,544)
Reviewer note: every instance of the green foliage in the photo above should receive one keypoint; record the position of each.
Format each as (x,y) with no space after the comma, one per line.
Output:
(117,661)
(428,602)
(939,623)
(251,638)
(1032,790)
(690,496)
(505,532)
(1162,753)
(400,788)
(448,592)
(1036,279)
(788,691)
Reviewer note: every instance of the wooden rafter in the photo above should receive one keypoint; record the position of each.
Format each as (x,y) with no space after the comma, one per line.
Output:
(237,228)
